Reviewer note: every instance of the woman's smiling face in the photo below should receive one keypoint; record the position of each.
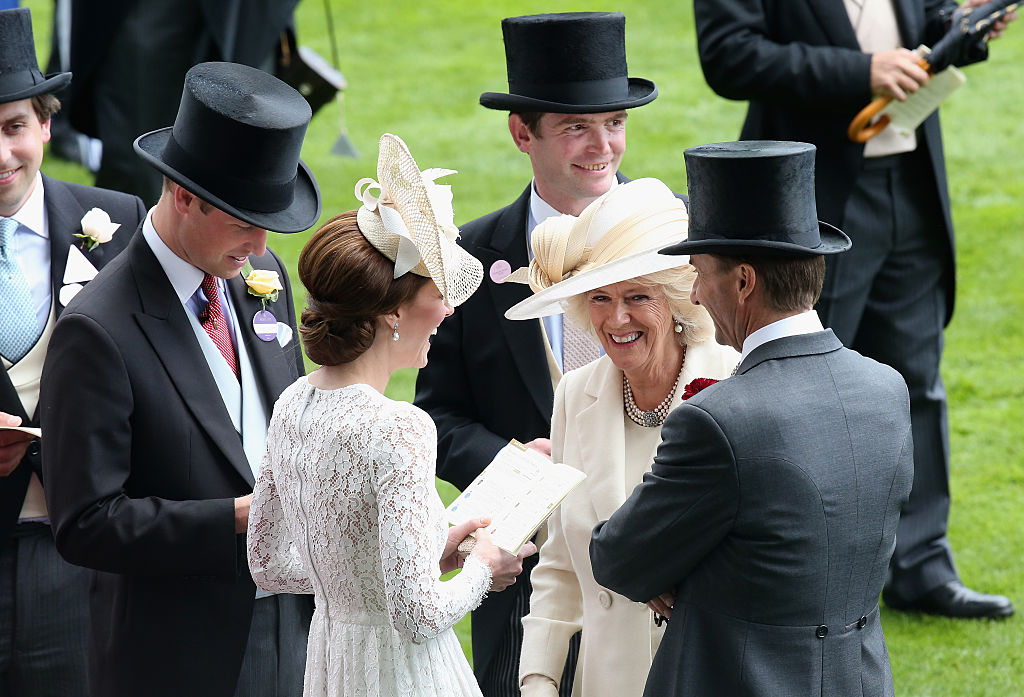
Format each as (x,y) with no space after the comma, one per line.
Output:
(634,324)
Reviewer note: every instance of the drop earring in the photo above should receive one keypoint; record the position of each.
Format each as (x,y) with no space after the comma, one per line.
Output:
(679,327)
(394,336)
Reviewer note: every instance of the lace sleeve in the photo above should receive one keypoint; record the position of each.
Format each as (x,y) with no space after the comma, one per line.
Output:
(273,558)
(420,605)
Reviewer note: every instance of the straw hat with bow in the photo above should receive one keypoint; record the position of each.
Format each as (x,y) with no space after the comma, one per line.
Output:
(615,238)
(411,222)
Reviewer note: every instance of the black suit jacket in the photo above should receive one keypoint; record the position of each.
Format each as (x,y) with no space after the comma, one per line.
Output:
(141,471)
(801,68)
(65,205)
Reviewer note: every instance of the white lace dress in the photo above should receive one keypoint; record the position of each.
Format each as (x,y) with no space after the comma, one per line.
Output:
(345,508)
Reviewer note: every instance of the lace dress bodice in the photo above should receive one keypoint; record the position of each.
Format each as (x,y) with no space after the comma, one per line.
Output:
(345,508)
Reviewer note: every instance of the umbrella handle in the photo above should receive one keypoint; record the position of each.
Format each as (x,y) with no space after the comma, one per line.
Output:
(861,130)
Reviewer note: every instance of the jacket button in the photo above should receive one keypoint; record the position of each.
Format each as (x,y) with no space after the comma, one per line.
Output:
(862,622)
(821,632)
(605,599)
(33,448)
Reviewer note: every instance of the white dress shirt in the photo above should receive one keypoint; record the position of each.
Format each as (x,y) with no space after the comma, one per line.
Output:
(803,323)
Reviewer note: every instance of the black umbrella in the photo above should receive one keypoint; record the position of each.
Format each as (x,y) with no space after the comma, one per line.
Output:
(966,38)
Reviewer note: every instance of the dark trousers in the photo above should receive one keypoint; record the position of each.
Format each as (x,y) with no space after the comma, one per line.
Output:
(44,618)
(275,657)
(885,298)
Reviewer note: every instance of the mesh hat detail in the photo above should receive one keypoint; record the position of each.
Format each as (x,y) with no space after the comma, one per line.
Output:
(412,223)
(615,238)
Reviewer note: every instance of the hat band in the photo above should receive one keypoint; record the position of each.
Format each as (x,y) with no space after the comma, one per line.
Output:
(20,81)
(604,91)
(250,194)
(806,238)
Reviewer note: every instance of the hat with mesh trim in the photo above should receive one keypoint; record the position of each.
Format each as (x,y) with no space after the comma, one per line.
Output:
(411,222)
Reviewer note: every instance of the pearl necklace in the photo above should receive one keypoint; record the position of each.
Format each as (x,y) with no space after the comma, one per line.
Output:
(656,417)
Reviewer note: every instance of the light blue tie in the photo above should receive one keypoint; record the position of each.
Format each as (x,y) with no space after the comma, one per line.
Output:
(19,329)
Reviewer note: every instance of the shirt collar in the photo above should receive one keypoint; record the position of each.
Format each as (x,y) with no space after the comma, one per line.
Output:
(803,323)
(184,278)
(32,214)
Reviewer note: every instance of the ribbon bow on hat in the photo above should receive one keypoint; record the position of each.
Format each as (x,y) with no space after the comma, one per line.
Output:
(615,238)
(411,221)
(440,196)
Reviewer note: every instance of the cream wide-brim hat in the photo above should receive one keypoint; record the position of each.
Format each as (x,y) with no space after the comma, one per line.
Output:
(615,238)
(412,222)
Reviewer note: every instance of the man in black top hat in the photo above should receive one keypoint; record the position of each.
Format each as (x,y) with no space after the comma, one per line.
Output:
(491,379)
(807,67)
(766,523)
(46,256)
(159,387)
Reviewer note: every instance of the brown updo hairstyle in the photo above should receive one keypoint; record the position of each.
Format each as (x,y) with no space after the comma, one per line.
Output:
(349,285)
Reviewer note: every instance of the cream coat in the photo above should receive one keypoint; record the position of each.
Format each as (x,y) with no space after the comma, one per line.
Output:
(619,635)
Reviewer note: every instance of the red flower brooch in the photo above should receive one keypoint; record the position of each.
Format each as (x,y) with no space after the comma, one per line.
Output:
(696,385)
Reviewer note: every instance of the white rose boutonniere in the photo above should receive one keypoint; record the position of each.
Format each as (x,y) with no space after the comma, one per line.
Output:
(264,284)
(96,228)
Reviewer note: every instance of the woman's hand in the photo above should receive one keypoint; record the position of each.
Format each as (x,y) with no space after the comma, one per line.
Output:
(452,558)
(504,566)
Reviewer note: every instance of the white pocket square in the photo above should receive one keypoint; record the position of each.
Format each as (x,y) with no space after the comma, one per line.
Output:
(67,292)
(78,269)
(284,334)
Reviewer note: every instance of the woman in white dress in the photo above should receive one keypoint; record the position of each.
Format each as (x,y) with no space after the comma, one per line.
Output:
(345,505)
(603,269)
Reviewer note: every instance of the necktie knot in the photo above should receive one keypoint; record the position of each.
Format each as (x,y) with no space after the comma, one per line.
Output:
(8,226)
(212,312)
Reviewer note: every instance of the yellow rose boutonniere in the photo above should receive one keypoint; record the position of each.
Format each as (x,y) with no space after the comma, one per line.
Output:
(96,228)
(262,283)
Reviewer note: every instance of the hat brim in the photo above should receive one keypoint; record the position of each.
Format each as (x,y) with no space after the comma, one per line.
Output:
(52,83)
(833,241)
(641,92)
(550,300)
(298,216)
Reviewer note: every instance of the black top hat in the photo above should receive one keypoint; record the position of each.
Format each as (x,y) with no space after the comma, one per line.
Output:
(20,77)
(755,197)
(570,63)
(235,144)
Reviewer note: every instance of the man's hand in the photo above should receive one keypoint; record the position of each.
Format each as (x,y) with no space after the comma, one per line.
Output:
(13,444)
(663,603)
(541,445)
(451,558)
(242,513)
(999,28)
(896,72)
(504,566)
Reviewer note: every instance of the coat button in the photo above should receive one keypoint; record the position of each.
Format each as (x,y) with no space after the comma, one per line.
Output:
(862,622)
(33,448)
(821,632)
(605,599)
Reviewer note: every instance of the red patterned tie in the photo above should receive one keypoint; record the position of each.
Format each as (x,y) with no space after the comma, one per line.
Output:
(212,319)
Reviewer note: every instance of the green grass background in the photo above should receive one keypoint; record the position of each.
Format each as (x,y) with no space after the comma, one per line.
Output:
(417,68)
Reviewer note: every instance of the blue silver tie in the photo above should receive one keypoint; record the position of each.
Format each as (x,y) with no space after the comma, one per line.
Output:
(19,329)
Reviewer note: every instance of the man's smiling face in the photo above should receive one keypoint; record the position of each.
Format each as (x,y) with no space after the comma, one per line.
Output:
(574,156)
(22,136)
